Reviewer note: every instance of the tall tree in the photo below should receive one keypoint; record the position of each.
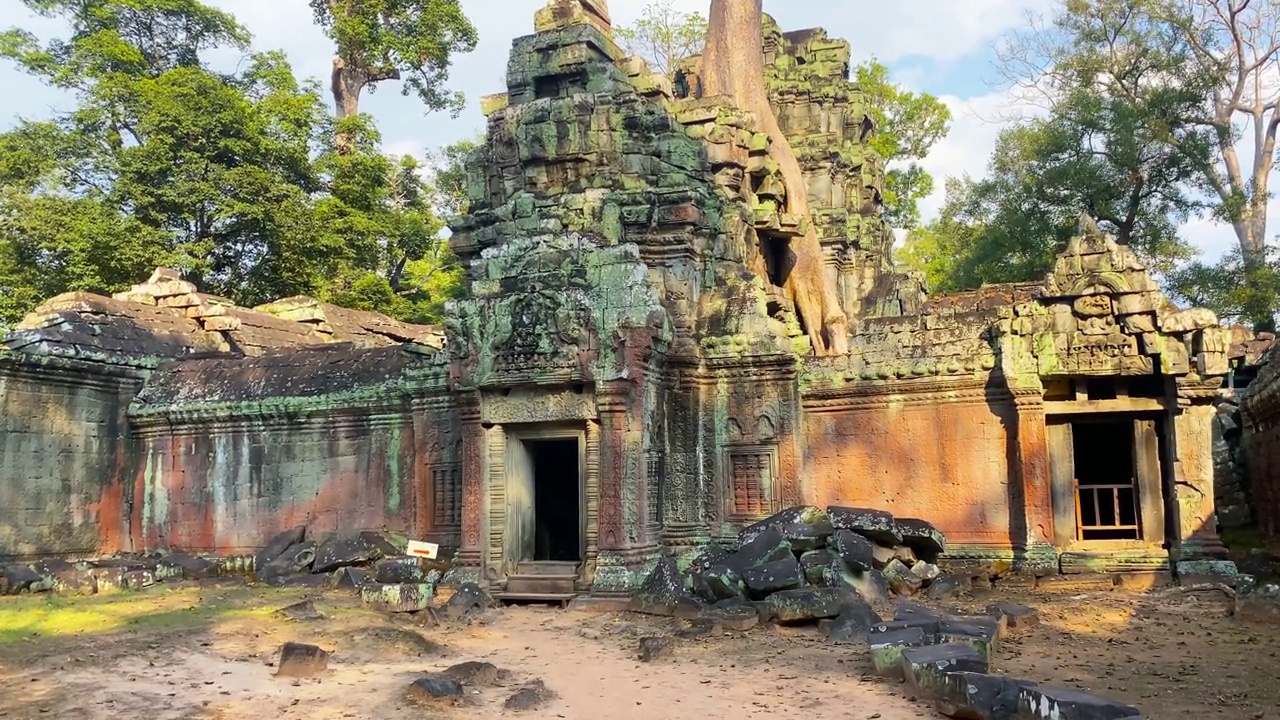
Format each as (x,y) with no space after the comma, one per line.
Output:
(379,40)
(733,66)
(664,35)
(908,125)
(1223,53)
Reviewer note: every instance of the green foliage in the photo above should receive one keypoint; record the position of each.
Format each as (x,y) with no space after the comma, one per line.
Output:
(50,245)
(449,175)
(1193,74)
(409,40)
(234,180)
(908,125)
(664,35)
(1229,287)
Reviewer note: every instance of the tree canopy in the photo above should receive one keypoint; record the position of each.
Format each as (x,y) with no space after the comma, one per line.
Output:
(664,35)
(234,179)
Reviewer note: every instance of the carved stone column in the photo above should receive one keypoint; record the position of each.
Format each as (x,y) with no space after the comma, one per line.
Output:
(1035,485)
(611,573)
(467,565)
(1199,550)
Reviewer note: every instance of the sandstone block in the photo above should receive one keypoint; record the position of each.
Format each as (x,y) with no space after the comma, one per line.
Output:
(432,690)
(978,696)
(1016,617)
(815,564)
(802,514)
(1043,703)
(887,649)
(922,537)
(654,648)
(856,551)
(806,605)
(853,624)
(764,580)
(926,668)
(878,526)
(358,549)
(299,660)
(397,597)
(808,536)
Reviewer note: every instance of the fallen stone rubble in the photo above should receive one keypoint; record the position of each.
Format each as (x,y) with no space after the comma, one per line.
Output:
(841,568)
(371,562)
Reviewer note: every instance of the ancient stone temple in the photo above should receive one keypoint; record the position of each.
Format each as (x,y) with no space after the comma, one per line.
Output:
(625,377)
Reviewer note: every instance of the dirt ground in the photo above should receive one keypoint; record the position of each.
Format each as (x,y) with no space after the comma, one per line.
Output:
(207,652)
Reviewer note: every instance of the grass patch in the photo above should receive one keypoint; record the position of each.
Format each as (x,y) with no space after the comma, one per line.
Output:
(154,609)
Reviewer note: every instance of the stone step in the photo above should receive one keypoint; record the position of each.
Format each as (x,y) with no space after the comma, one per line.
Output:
(561,599)
(530,567)
(541,584)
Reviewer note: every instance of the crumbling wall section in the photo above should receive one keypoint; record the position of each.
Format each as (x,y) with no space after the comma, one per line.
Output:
(234,450)
(65,456)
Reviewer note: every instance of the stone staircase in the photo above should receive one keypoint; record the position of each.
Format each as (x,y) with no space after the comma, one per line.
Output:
(542,582)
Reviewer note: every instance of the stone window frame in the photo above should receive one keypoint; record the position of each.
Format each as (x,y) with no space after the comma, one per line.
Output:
(770,494)
(446,483)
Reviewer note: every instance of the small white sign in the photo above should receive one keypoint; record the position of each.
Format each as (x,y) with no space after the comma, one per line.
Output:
(423,549)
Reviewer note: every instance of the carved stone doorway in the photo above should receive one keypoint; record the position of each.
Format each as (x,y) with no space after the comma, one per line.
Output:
(546,503)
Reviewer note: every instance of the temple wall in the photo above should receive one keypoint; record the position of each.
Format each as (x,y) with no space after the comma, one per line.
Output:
(228,487)
(64,459)
(945,458)
(1260,411)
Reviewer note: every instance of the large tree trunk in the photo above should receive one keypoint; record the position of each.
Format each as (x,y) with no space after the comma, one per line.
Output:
(347,82)
(733,65)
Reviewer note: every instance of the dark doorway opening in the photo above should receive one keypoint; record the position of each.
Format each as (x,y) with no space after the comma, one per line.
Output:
(1107,504)
(556,500)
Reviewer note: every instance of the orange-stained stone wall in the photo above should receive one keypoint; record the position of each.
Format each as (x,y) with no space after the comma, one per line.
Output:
(229,488)
(948,462)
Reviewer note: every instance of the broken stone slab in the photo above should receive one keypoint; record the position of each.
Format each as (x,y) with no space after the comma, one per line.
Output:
(801,514)
(295,560)
(397,597)
(882,556)
(653,648)
(305,610)
(853,624)
(887,648)
(1047,703)
(735,618)
(720,582)
(805,605)
(908,610)
(299,660)
(399,569)
(1015,616)
(926,668)
(979,696)
(361,548)
(474,673)
(22,579)
(277,545)
(350,577)
(662,591)
(762,581)
(922,537)
(929,627)
(927,572)
(814,563)
(945,587)
(769,545)
(468,597)
(533,696)
(138,579)
(805,537)
(857,552)
(901,580)
(878,526)
(186,567)
(430,690)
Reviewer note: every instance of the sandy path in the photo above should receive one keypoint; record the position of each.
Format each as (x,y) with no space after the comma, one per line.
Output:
(588,660)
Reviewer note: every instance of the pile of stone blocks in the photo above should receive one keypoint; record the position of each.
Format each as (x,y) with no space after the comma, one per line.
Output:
(804,564)
(167,289)
(947,659)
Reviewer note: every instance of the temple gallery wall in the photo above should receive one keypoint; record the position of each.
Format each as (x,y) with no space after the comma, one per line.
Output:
(628,374)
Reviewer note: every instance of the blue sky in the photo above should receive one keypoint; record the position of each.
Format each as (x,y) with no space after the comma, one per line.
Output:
(943,47)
